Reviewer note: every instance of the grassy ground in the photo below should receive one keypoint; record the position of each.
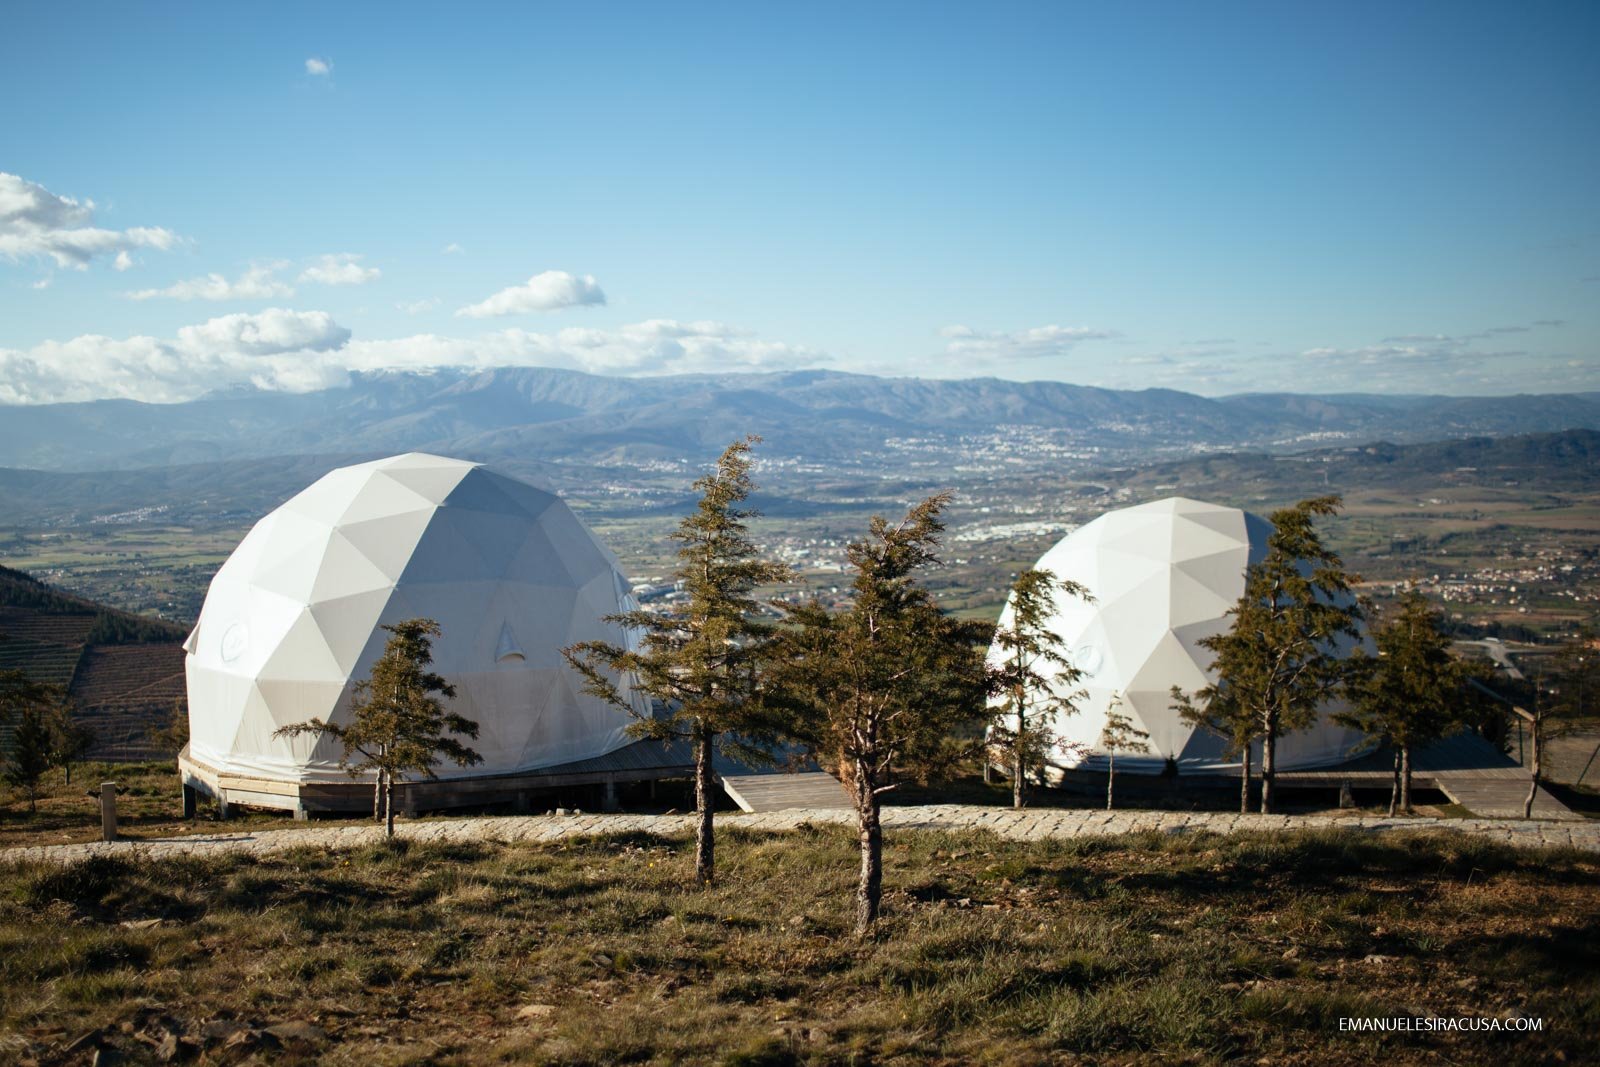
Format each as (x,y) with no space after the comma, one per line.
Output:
(149,804)
(1179,949)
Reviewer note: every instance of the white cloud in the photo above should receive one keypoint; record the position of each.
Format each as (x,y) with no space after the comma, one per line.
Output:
(342,269)
(266,333)
(417,307)
(453,249)
(34,222)
(122,262)
(296,351)
(966,343)
(318,66)
(276,349)
(259,282)
(549,291)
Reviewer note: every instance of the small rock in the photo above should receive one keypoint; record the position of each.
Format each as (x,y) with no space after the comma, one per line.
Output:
(1377,960)
(964,902)
(244,1037)
(602,960)
(798,920)
(167,1048)
(535,1011)
(297,1030)
(1292,952)
(142,924)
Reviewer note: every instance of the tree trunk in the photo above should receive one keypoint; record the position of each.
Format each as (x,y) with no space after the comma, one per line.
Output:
(377,797)
(1269,767)
(1244,780)
(1405,779)
(1533,786)
(1111,776)
(1394,786)
(869,889)
(705,857)
(388,806)
(1019,780)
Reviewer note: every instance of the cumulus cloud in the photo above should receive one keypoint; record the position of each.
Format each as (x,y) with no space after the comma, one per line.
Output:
(549,291)
(36,223)
(276,349)
(319,67)
(966,343)
(342,269)
(297,351)
(417,307)
(453,249)
(257,283)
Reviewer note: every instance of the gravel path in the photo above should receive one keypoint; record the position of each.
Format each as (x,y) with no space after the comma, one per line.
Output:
(1033,824)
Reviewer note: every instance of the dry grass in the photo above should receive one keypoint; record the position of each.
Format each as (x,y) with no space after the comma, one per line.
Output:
(1181,949)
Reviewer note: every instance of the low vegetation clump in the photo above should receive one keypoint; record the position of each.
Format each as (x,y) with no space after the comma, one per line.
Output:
(598,951)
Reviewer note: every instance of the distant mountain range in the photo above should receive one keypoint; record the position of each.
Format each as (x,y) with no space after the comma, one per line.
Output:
(542,415)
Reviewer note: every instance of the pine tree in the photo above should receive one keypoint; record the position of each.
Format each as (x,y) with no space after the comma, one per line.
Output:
(1119,735)
(397,725)
(70,740)
(1279,660)
(880,691)
(700,660)
(1219,713)
(1031,674)
(26,707)
(1410,693)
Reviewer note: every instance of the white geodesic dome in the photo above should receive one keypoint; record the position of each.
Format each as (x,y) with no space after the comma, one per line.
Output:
(1164,576)
(292,618)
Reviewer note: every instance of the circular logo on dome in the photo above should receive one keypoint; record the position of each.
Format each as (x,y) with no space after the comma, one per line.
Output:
(234,638)
(1087,658)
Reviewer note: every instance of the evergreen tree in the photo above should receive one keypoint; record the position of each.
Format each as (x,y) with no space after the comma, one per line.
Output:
(1119,735)
(700,659)
(1410,693)
(70,740)
(878,692)
(398,726)
(1279,660)
(26,708)
(1219,713)
(1031,675)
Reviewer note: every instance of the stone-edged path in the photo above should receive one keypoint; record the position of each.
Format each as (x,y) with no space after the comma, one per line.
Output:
(1032,824)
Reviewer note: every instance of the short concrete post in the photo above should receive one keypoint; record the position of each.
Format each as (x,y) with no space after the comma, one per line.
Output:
(108,811)
(1346,798)
(608,801)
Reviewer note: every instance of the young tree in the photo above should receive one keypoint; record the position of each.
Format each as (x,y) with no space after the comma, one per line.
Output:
(700,659)
(1578,668)
(1119,735)
(1279,661)
(70,740)
(1218,713)
(1032,674)
(1410,693)
(397,724)
(880,691)
(26,707)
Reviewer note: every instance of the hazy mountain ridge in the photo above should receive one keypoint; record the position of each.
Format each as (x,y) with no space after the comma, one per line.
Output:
(556,414)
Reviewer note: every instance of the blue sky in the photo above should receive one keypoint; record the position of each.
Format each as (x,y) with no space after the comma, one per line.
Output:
(1218,198)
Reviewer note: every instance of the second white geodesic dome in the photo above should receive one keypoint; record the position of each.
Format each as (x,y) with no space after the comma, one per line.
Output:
(1164,576)
(292,619)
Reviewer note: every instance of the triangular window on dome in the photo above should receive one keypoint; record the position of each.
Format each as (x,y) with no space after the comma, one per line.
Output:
(508,650)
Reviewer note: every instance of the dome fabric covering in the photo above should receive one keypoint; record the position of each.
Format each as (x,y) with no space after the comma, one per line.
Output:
(291,620)
(1164,575)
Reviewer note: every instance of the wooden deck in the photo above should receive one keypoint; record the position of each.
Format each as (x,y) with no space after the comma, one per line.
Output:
(641,761)
(1463,766)
(780,791)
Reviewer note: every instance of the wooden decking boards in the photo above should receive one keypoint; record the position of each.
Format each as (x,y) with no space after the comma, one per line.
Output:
(781,792)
